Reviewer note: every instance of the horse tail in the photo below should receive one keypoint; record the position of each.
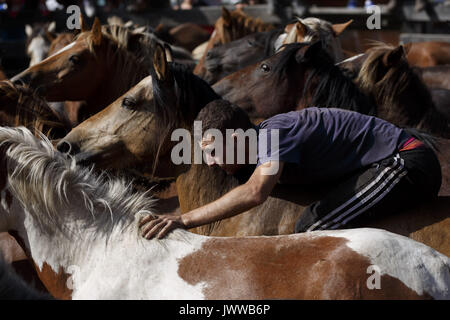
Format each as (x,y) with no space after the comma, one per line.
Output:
(429,140)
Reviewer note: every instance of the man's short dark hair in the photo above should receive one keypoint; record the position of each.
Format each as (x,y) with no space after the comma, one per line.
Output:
(222,115)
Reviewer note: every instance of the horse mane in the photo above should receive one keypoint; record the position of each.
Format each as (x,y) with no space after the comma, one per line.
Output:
(129,52)
(240,25)
(329,86)
(48,183)
(191,94)
(401,95)
(29,109)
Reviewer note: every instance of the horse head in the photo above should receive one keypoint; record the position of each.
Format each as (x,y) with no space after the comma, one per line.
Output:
(59,76)
(134,131)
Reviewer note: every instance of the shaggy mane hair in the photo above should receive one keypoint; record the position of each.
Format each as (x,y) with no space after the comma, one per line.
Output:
(48,184)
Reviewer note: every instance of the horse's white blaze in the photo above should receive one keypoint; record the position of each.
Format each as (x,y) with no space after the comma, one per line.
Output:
(70,45)
(418,266)
(350,59)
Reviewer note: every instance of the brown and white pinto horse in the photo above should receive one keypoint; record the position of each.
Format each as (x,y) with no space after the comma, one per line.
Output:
(81,231)
(97,68)
(230,26)
(134,132)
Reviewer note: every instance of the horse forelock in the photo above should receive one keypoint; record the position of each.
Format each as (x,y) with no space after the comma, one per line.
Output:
(48,184)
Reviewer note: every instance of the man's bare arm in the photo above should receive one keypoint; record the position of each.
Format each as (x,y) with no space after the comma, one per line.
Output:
(242,198)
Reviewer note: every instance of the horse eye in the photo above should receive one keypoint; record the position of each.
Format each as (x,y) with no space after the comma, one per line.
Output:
(265,67)
(74,59)
(128,103)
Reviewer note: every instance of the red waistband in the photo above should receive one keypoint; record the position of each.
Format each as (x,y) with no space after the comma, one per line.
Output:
(411,143)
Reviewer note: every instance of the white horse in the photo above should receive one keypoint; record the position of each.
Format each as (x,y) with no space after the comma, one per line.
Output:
(81,231)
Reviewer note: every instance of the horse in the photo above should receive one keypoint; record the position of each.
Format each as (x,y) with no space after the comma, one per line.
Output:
(134,132)
(225,59)
(436,76)
(401,96)
(301,75)
(230,26)
(39,38)
(314,29)
(428,54)
(21,106)
(228,58)
(185,35)
(81,232)
(97,67)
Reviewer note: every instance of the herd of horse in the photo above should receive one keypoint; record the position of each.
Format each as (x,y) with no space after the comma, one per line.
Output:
(86,145)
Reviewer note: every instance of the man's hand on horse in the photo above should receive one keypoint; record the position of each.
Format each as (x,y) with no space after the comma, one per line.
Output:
(159,226)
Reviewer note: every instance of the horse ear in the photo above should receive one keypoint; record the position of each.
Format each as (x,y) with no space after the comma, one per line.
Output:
(97,31)
(83,24)
(50,35)
(168,51)
(339,28)
(313,50)
(394,56)
(28,30)
(301,29)
(226,16)
(51,27)
(160,64)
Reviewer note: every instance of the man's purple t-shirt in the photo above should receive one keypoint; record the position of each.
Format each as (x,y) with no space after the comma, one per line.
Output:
(325,144)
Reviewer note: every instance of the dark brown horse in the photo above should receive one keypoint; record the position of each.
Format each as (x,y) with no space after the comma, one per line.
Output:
(299,76)
(230,26)
(135,132)
(186,35)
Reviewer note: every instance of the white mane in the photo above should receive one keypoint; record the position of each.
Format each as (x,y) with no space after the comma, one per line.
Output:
(50,186)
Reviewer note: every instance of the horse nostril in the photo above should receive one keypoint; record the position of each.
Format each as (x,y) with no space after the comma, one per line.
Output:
(64,147)
(19,82)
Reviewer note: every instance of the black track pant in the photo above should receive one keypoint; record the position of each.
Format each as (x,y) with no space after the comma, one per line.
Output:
(390,185)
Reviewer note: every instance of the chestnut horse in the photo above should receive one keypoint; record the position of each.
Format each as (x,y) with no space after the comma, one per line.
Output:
(230,26)
(98,67)
(81,231)
(134,132)
(428,54)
